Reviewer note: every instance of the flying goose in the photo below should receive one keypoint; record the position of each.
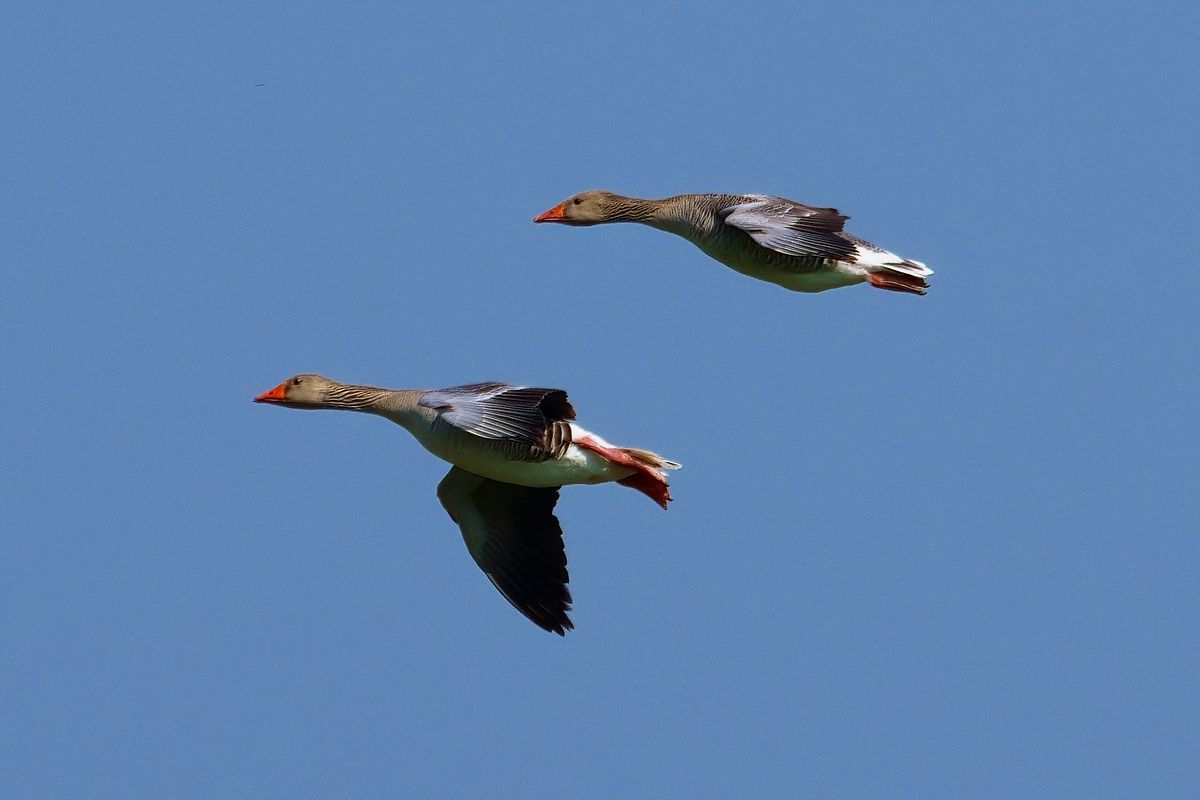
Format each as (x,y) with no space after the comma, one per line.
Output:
(799,247)
(512,448)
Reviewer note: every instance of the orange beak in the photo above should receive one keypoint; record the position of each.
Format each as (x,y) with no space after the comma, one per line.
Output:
(276,395)
(553,215)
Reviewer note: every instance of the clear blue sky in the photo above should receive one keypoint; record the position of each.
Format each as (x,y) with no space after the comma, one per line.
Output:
(921,547)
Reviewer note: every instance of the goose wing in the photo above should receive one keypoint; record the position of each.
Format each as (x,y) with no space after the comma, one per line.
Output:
(514,537)
(791,228)
(527,423)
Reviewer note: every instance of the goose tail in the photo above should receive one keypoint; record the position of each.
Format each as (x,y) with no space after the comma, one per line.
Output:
(886,270)
(907,276)
(649,469)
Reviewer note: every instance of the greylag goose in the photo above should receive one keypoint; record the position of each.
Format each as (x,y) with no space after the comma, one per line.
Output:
(512,448)
(799,247)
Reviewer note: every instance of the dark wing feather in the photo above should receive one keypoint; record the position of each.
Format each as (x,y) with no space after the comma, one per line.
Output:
(514,537)
(792,228)
(531,422)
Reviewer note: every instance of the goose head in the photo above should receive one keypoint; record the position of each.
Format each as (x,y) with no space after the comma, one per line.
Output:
(301,391)
(586,208)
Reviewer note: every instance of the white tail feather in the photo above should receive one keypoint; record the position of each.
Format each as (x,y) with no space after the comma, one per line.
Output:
(909,267)
(874,260)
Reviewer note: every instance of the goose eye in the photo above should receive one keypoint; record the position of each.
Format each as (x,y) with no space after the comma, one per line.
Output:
(577,201)
(296,382)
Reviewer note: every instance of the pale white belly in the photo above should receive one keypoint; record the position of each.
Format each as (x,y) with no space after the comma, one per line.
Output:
(752,262)
(578,465)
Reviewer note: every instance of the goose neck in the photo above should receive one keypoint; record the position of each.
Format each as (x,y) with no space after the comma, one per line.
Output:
(395,404)
(635,209)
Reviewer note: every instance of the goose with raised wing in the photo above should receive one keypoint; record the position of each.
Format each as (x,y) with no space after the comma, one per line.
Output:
(798,247)
(512,448)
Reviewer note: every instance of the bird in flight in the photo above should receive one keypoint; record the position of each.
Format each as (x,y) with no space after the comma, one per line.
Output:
(511,449)
(798,247)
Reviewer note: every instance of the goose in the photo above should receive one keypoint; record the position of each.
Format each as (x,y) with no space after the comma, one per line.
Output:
(798,247)
(511,448)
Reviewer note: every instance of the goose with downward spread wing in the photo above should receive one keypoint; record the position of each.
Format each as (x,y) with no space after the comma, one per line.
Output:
(512,448)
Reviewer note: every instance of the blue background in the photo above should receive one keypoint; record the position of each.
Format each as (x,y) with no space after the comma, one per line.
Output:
(924,547)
